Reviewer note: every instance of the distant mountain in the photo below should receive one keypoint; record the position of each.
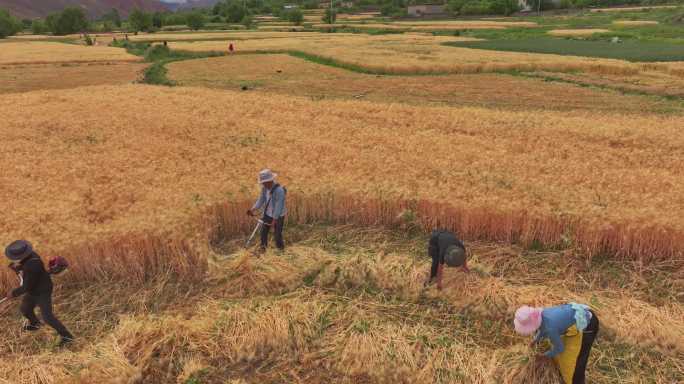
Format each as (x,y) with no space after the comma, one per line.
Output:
(187,4)
(28,9)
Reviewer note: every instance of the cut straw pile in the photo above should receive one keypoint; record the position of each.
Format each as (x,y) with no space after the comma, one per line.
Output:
(340,305)
(537,370)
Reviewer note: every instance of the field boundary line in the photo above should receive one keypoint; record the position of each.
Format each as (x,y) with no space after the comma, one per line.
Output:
(621,90)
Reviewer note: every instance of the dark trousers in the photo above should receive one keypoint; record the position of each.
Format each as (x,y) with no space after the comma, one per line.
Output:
(277,231)
(588,337)
(44,302)
(436,261)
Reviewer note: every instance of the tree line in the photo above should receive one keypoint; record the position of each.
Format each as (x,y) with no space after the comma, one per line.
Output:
(74,20)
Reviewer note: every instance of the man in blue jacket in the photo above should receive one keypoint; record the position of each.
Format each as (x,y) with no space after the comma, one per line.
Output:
(272,202)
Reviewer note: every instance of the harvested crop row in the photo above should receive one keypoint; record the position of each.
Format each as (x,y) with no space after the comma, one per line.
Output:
(350,315)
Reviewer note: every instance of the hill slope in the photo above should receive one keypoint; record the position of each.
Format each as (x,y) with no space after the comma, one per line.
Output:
(94,8)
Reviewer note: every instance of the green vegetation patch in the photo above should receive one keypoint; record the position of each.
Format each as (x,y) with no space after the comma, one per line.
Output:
(160,55)
(626,50)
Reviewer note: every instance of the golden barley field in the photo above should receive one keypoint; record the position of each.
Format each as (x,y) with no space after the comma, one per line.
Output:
(565,184)
(359,16)
(22,78)
(31,37)
(631,23)
(417,53)
(343,25)
(474,24)
(287,75)
(520,162)
(576,32)
(53,52)
(427,26)
(233,35)
(289,28)
(658,83)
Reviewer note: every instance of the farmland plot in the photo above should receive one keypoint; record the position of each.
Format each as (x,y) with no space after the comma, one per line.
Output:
(23,78)
(417,53)
(133,159)
(293,76)
(144,190)
(53,52)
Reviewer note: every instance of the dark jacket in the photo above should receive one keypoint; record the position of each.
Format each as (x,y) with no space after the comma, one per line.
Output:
(440,240)
(37,281)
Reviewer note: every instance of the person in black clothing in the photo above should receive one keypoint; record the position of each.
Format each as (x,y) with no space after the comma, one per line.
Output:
(442,245)
(36,287)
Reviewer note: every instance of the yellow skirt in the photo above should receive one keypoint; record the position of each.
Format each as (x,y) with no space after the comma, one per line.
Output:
(567,360)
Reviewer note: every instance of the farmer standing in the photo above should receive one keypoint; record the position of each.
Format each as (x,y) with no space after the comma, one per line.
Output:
(571,328)
(36,287)
(445,247)
(272,202)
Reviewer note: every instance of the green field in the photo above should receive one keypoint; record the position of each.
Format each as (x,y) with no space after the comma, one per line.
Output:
(630,50)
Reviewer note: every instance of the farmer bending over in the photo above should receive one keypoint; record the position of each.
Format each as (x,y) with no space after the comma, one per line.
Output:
(272,201)
(36,287)
(571,328)
(445,247)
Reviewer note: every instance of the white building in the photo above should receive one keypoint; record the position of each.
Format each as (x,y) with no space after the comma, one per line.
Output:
(526,5)
(426,10)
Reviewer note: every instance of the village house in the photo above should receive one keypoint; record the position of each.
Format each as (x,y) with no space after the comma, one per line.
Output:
(337,4)
(526,5)
(428,10)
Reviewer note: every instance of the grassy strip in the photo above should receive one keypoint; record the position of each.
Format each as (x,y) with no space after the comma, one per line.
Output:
(635,51)
(322,60)
(622,90)
(159,56)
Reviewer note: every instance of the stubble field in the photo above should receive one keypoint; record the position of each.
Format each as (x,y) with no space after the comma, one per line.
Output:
(346,305)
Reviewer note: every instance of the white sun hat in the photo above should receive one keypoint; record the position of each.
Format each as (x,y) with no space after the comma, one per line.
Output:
(266,175)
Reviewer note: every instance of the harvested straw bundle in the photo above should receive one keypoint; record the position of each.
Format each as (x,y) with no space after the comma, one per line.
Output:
(521,365)
(537,370)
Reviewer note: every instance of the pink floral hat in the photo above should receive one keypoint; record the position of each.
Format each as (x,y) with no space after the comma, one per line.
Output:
(527,320)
